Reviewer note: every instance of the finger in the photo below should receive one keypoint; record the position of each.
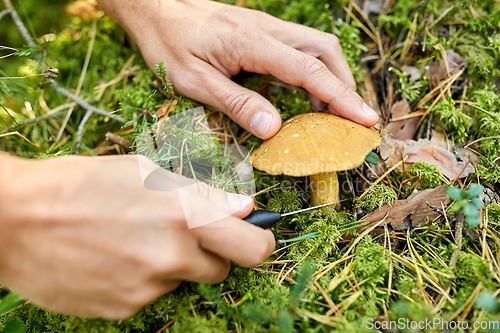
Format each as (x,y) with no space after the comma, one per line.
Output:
(220,233)
(322,45)
(316,103)
(271,56)
(197,265)
(247,108)
(237,240)
(191,192)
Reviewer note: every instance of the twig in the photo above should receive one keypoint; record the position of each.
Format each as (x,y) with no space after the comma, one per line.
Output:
(82,77)
(166,326)
(79,136)
(4,12)
(83,103)
(20,25)
(31,121)
(22,137)
(124,143)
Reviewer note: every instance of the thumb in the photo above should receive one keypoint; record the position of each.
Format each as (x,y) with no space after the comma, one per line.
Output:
(203,204)
(247,108)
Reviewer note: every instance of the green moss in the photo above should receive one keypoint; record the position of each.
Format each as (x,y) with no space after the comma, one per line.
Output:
(452,119)
(378,196)
(490,175)
(494,212)
(285,202)
(428,173)
(469,270)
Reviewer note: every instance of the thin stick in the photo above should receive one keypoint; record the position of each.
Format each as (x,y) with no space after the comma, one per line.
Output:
(79,135)
(19,24)
(82,77)
(166,326)
(83,103)
(18,77)
(293,267)
(22,137)
(480,139)
(31,121)
(4,12)
(395,166)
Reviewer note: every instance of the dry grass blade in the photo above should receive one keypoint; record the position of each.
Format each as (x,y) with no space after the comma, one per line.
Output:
(394,167)
(293,267)
(329,267)
(22,137)
(365,29)
(468,302)
(409,39)
(360,237)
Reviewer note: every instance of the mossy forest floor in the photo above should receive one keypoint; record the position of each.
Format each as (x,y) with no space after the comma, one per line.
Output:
(430,68)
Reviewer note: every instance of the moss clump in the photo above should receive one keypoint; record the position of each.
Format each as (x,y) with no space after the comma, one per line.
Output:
(489,175)
(378,196)
(494,213)
(469,270)
(452,120)
(285,202)
(428,174)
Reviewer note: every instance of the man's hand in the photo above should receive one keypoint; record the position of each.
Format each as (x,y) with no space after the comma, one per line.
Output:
(83,236)
(205,43)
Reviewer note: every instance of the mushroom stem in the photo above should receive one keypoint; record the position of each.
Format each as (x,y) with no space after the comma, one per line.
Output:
(324,188)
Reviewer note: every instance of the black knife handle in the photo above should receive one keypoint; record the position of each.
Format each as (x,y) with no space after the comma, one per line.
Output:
(263,218)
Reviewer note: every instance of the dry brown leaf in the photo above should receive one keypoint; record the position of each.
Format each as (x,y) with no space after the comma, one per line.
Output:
(85,9)
(412,212)
(402,129)
(165,108)
(455,62)
(392,151)
(413,72)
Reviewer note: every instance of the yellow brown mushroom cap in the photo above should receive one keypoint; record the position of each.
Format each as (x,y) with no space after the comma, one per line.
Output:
(313,143)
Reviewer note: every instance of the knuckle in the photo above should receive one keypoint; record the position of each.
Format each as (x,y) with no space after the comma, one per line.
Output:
(313,66)
(238,104)
(343,90)
(203,190)
(332,40)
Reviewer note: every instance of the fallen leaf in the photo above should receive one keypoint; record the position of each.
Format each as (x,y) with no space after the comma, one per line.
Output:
(165,108)
(402,129)
(372,7)
(414,72)
(455,62)
(412,212)
(87,10)
(392,151)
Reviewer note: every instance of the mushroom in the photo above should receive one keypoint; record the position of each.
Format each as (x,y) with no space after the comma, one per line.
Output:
(316,145)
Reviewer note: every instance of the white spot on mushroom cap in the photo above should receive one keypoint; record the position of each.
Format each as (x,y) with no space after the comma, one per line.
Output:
(312,125)
(266,149)
(346,153)
(295,135)
(286,151)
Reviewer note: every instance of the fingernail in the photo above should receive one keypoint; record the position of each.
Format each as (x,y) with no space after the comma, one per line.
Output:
(369,111)
(270,232)
(238,200)
(260,122)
